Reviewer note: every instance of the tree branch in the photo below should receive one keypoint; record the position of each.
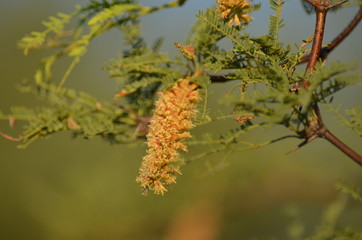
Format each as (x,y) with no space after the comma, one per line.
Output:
(316,127)
(321,14)
(326,134)
(337,40)
(323,132)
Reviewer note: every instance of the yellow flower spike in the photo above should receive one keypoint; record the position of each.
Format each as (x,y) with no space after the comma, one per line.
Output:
(234,11)
(170,125)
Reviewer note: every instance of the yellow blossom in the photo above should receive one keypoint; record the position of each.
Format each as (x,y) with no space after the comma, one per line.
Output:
(234,11)
(169,126)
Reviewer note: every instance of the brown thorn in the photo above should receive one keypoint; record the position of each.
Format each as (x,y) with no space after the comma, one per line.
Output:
(302,144)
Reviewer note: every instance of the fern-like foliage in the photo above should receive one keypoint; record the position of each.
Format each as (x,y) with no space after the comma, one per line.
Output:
(277,105)
(329,226)
(139,72)
(355,119)
(350,189)
(77,112)
(264,60)
(327,81)
(113,11)
(212,19)
(275,21)
(44,39)
(265,70)
(351,119)
(204,39)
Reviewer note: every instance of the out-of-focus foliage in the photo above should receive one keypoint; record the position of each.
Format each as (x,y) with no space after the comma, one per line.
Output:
(353,118)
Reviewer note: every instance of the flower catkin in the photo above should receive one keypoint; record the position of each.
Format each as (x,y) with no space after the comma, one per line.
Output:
(169,126)
(234,11)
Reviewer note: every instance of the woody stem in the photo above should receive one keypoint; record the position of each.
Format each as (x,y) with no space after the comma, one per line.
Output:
(322,8)
(321,14)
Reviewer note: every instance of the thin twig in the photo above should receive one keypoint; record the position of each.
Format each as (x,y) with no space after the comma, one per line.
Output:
(11,138)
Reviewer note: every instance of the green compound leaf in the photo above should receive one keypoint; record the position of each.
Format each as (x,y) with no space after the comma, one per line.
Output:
(113,11)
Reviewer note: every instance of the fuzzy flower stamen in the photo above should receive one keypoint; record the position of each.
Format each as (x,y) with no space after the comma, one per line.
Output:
(234,11)
(169,127)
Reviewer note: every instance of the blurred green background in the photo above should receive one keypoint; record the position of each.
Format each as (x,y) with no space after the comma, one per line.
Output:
(64,188)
